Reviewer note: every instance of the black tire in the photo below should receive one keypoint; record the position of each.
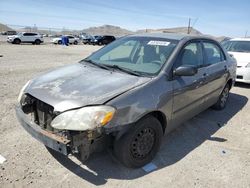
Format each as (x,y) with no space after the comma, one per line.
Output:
(16,41)
(222,101)
(140,144)
(37,42)
(59,42)
(75,42)
(100,43)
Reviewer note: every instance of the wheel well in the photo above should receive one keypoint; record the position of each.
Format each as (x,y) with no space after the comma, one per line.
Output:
(157,114)
(230,82)
(161,117)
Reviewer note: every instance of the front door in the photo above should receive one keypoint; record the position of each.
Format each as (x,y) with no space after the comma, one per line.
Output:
(188,91)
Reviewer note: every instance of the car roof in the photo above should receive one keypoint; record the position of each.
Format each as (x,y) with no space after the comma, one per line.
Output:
(173,36)
(240,39)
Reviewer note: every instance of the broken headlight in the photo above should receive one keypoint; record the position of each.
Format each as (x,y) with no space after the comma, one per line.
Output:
(86,118)
(21,91)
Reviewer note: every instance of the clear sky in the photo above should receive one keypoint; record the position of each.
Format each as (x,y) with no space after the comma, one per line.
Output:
(215,17)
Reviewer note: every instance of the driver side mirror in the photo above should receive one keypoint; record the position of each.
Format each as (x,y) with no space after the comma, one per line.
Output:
(185,70)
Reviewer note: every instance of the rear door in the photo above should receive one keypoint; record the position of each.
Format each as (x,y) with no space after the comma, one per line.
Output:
(188,91)
(30,37)
(217,70)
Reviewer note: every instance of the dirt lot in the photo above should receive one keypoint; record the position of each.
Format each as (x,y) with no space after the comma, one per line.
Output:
(210,150)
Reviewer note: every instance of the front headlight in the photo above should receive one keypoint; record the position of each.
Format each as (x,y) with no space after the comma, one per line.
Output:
(86,118)
(21,91)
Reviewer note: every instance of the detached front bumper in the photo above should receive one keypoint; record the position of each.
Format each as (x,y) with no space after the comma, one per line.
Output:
(53,141)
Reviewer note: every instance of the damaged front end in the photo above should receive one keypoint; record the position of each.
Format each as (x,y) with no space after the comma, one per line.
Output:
(36,117)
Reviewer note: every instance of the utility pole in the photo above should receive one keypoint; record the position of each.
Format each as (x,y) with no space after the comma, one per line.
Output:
(188,30)
(246,33)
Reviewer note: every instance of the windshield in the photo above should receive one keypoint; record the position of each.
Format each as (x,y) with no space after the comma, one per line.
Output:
(237,46)
(145,55)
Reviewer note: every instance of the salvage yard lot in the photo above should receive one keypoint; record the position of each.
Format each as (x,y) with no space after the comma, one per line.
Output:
(210,150)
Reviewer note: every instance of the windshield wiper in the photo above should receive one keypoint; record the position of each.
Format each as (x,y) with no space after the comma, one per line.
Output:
(96,64)
(126,70)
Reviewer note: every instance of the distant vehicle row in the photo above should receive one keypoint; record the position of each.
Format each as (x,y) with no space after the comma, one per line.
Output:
(35,38)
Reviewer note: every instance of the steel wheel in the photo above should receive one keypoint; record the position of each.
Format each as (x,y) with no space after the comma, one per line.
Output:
(143,143)
(222,101)
(224,96)
(140,144)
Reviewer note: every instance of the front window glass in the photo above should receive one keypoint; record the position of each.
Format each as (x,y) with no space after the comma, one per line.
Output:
(145,55)
(191,55)
(237,46)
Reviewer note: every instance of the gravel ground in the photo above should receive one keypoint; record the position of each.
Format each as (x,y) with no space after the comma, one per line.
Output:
(210,150)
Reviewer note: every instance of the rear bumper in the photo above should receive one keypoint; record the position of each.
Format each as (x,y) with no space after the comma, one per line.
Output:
(49,139)
(243,75)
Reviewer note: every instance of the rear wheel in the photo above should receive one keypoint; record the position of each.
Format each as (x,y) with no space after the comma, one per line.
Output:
(16,41)
(59,42)
(140,145)
(75,42)
(221,103)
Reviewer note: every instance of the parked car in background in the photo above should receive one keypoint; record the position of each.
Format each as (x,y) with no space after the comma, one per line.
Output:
(9,33)
(93,39)
(239,48)
(25,37)
(87,40)
(127,95)
(103,40)
(72,40)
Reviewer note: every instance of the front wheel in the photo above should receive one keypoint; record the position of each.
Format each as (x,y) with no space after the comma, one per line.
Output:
(37,42)
(139,146)
(222,101)
(16,41)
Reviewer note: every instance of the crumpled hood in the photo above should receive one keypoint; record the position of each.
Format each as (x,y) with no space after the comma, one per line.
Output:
(79,85)
(242,58)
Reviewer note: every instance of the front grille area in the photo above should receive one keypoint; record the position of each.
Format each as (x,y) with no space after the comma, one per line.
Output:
(41,112)
(239,77)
